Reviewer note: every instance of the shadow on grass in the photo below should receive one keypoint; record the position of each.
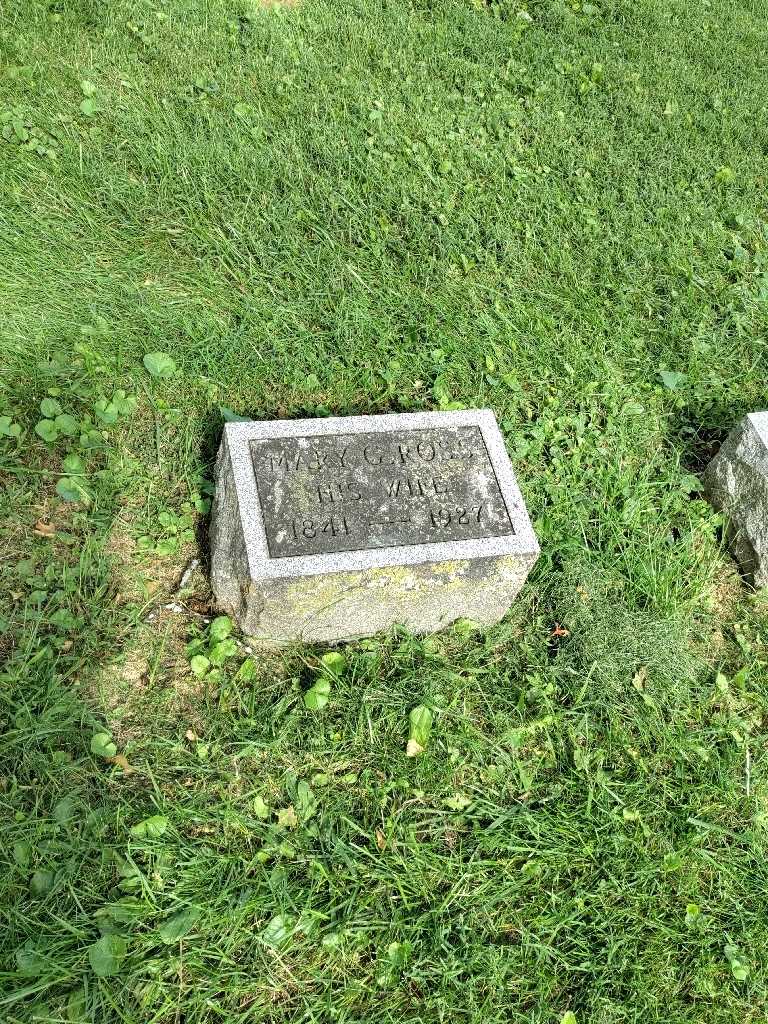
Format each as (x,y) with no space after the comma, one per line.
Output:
(700,429)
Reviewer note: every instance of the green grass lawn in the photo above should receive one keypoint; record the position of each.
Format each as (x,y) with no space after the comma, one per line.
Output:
(382,205)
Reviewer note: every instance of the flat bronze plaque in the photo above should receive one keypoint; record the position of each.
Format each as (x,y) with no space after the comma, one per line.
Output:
(344,492)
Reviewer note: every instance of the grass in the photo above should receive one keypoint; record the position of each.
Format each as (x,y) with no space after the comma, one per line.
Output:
(361,207)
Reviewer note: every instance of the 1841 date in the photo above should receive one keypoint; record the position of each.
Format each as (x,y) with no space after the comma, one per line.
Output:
(308,529)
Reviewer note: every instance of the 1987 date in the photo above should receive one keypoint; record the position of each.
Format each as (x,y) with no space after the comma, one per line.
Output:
(308,529)
(459,516)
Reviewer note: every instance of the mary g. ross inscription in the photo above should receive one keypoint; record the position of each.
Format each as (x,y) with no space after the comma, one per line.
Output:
(346,492)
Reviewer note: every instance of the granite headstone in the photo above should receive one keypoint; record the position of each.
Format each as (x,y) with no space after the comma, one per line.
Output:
(736,481)
(330,529)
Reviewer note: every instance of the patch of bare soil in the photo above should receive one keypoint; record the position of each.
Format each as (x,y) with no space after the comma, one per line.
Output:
(150,680)
(171,600)
(723,600)
(142,578)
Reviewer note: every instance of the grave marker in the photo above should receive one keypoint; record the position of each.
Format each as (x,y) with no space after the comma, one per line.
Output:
(336,528)
(736,481)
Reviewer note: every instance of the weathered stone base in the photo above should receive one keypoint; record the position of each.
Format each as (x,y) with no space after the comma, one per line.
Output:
(348,605)
(736,481)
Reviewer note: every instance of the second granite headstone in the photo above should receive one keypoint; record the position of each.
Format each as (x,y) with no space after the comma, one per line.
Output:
(736,481)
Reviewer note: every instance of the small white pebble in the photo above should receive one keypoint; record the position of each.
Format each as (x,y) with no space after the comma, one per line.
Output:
(188,573)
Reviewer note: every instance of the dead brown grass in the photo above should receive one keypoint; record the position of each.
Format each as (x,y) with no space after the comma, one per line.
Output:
(140,578)
(724,597)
